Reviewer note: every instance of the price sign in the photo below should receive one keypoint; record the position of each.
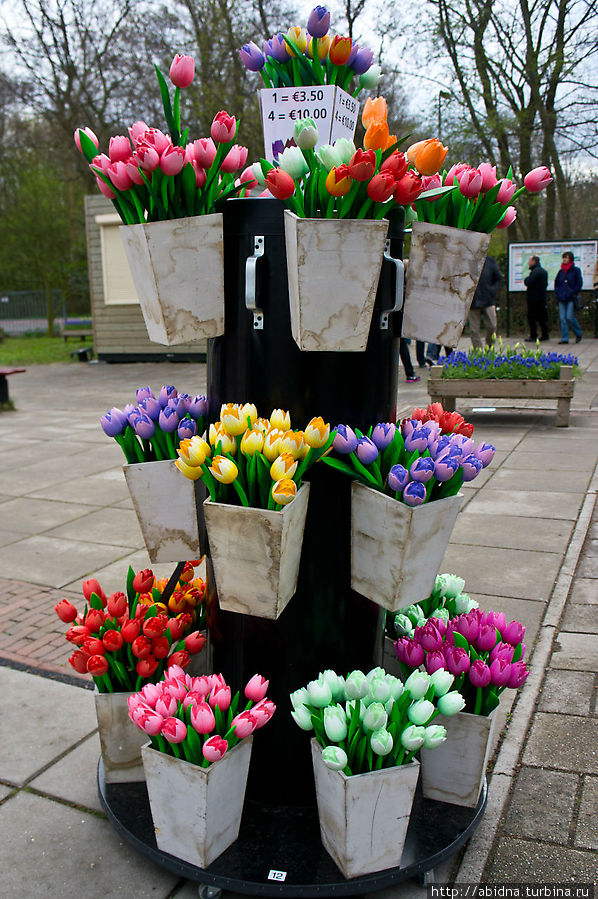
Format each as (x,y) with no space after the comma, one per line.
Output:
(333,110)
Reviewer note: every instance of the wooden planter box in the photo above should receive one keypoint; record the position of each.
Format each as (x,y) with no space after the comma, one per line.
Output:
(446,390)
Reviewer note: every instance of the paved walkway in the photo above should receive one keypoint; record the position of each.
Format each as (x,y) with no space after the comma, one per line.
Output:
(65,515)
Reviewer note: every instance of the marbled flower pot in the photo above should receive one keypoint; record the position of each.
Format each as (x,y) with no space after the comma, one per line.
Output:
(166,505)
(455,771)
(444,268)
(196,811)
(364,818)
(397,550)
(333,268)
(178,272)
(255,554)
(120,739)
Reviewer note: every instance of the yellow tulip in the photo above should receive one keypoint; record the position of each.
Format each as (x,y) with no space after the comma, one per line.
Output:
(299,37)
(193,472)
(262,424)
(284,491)
(283,467)
(271,444)
(224,470)
(214,433)
(280,419)
(317,432)
(292,442)
(323,46)
(252,442)
(198,451)
(250,412)
(233,419)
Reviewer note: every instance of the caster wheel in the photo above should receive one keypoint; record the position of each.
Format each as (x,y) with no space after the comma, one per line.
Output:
(208,892)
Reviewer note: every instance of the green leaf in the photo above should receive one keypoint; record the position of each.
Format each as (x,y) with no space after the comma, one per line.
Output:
(95,602)
(460,641)
(164,93)
(88,148)
(131,594)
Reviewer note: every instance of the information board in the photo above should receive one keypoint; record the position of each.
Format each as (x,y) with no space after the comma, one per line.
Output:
(550,254)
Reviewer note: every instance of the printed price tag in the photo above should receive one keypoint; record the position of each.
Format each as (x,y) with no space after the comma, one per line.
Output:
(277,875)
(333,110)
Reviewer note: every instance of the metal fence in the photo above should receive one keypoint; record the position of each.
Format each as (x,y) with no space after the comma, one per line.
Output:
(24,311)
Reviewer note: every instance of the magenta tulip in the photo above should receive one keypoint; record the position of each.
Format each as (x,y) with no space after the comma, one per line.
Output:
(409,652)
(457,660)
(500,672)
(428,636)
(513,633)
(174,730)
(468,626)
(214,748)
(486,638)
(479,673)
(434,661)
(537,179)
(502,651)
(256,688)
(182,71)
(518,675)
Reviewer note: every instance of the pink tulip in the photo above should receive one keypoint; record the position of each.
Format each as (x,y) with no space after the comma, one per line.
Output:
(455,172)
(90,135)
(174,730)
(119,148)
(166,705)
(221,697)
(248,178)
(205,151)
(201,686)
(500,672)
(147,158)
(137,131)
(244,724)
(151,694)
(182,71)
(479,673)
(136,699)
(105,189)
(189,153)
(470,183)
(119,176)
(256,688)
(215,680)
(214,748)
(133,171)
(202,718)
(506,191)
(200,174)
(537,179)
(509,217)
(172,160)
(155,138)
(102,162)
(488,173)
(431,182)
(153,723)
(263,711)
(175,672)
(223,127)
(518,675)
(175,688)
(513,633)
(434,661)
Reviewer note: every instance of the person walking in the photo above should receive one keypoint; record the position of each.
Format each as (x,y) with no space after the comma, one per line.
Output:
(567,284)
(484,303)
(537,285)
(405,355)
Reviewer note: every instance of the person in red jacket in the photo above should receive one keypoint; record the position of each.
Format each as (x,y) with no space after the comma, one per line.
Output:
(567,284)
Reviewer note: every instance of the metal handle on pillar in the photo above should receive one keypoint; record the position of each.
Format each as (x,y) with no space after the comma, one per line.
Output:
(251,282)
(399,288)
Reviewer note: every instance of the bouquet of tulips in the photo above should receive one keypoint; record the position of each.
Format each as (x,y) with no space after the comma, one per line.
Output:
(195,718)
(123,640)
(152,430)
(447,600)
(339,181)
(481,650)
(262,460)
(449,422)
(368,722)
(151,176)
(480,201)
(311,56)
(413,462)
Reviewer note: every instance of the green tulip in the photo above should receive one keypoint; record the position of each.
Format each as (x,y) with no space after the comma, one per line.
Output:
(381,742)
(442,681)
(335,758)
(335,723)
(302,717)
(299,697)
(450,703)
(421,711)
(306,134)
(346,149)
(375,717)
(434,736)
(319,694)
(417,684)
(356,685)
(413,737)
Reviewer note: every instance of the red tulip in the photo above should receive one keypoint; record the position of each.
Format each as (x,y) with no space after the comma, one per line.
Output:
(146,667)
(537,179)
(181,657)
(66,611)
(175,627)
(79,661)
(182,71)
(155,626)
(214,748)
(97,665)
(130,630)
(195,642)
(160,647)
(172,160)
(143,581)
(117,605)
(408,189)
(381,187)
(94,620)
(362,165)
(93,646)
(223,128)
(280,184)
(397,164)
(92,586)
(202,718)
(256,688)
(78,634)
(112,640)
(141,647)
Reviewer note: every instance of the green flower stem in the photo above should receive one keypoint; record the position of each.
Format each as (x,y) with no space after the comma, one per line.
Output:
(170,445)
(362,470)
(240,493)
(365,209)
(122,443)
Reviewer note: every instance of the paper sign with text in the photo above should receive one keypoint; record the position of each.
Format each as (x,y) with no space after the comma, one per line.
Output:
(334,111)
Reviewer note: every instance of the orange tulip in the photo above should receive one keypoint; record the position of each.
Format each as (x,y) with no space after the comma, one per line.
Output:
(374,111)
(340,50)
(427,156)
(376,136)
(338,182)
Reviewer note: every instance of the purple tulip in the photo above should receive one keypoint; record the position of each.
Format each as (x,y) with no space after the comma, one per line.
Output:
(198,407)
(186,428)
(409,652)
(383,434)
(414,494)
(468,626)
(457,660)
(277,148)
(518,675)
(166,393)
(186,399)
(409,426)
(434,661)
(130,408)
(445,468)
(366,450)
(502,651)
(150,406)
(434,429)
(398,477)
(142,393)
(479,673)
(485,453)
(428,637)
(144,426)
(277,49)
(178,404)
(486,638)
(133,413)
(471,468)
(500,672)
(362,61)
(418,440)
(168,419)
(466,444)
(113,422)
(440,446)
(513,633)
(345,440)
(252,57)
(422,469)
(318,22)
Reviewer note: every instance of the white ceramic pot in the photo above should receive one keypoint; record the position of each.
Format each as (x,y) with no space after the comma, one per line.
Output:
(166,505)
(255,554)
(333,268)
(364,818)
(444,268)
(178,272)
(455,771)
(120,739)
(196,811)
(397,550)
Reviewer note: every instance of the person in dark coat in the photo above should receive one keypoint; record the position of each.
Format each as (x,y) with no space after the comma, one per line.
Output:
(567,284)
(484,303)
(536,284)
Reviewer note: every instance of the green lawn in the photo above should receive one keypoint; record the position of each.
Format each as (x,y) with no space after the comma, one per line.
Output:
(36,350)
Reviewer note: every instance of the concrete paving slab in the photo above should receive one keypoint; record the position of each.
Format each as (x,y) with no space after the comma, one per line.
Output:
(566,742)
(113,577)
(528,461)
(5,791)
(530,816)
(118,527)
(528,503)
(54,562)
(560,686)
(520,861)
(71,853)
(33,516)
(511,532)
(586,833)
(580,618)
(529,612)
(124,504)
(7,537)
(510,478)
(575,652)
(585,590)
(573,446)
(590,547)
(73,778)
(95,490)
(42,721)
(503,572)
(44,473)
(588,567)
